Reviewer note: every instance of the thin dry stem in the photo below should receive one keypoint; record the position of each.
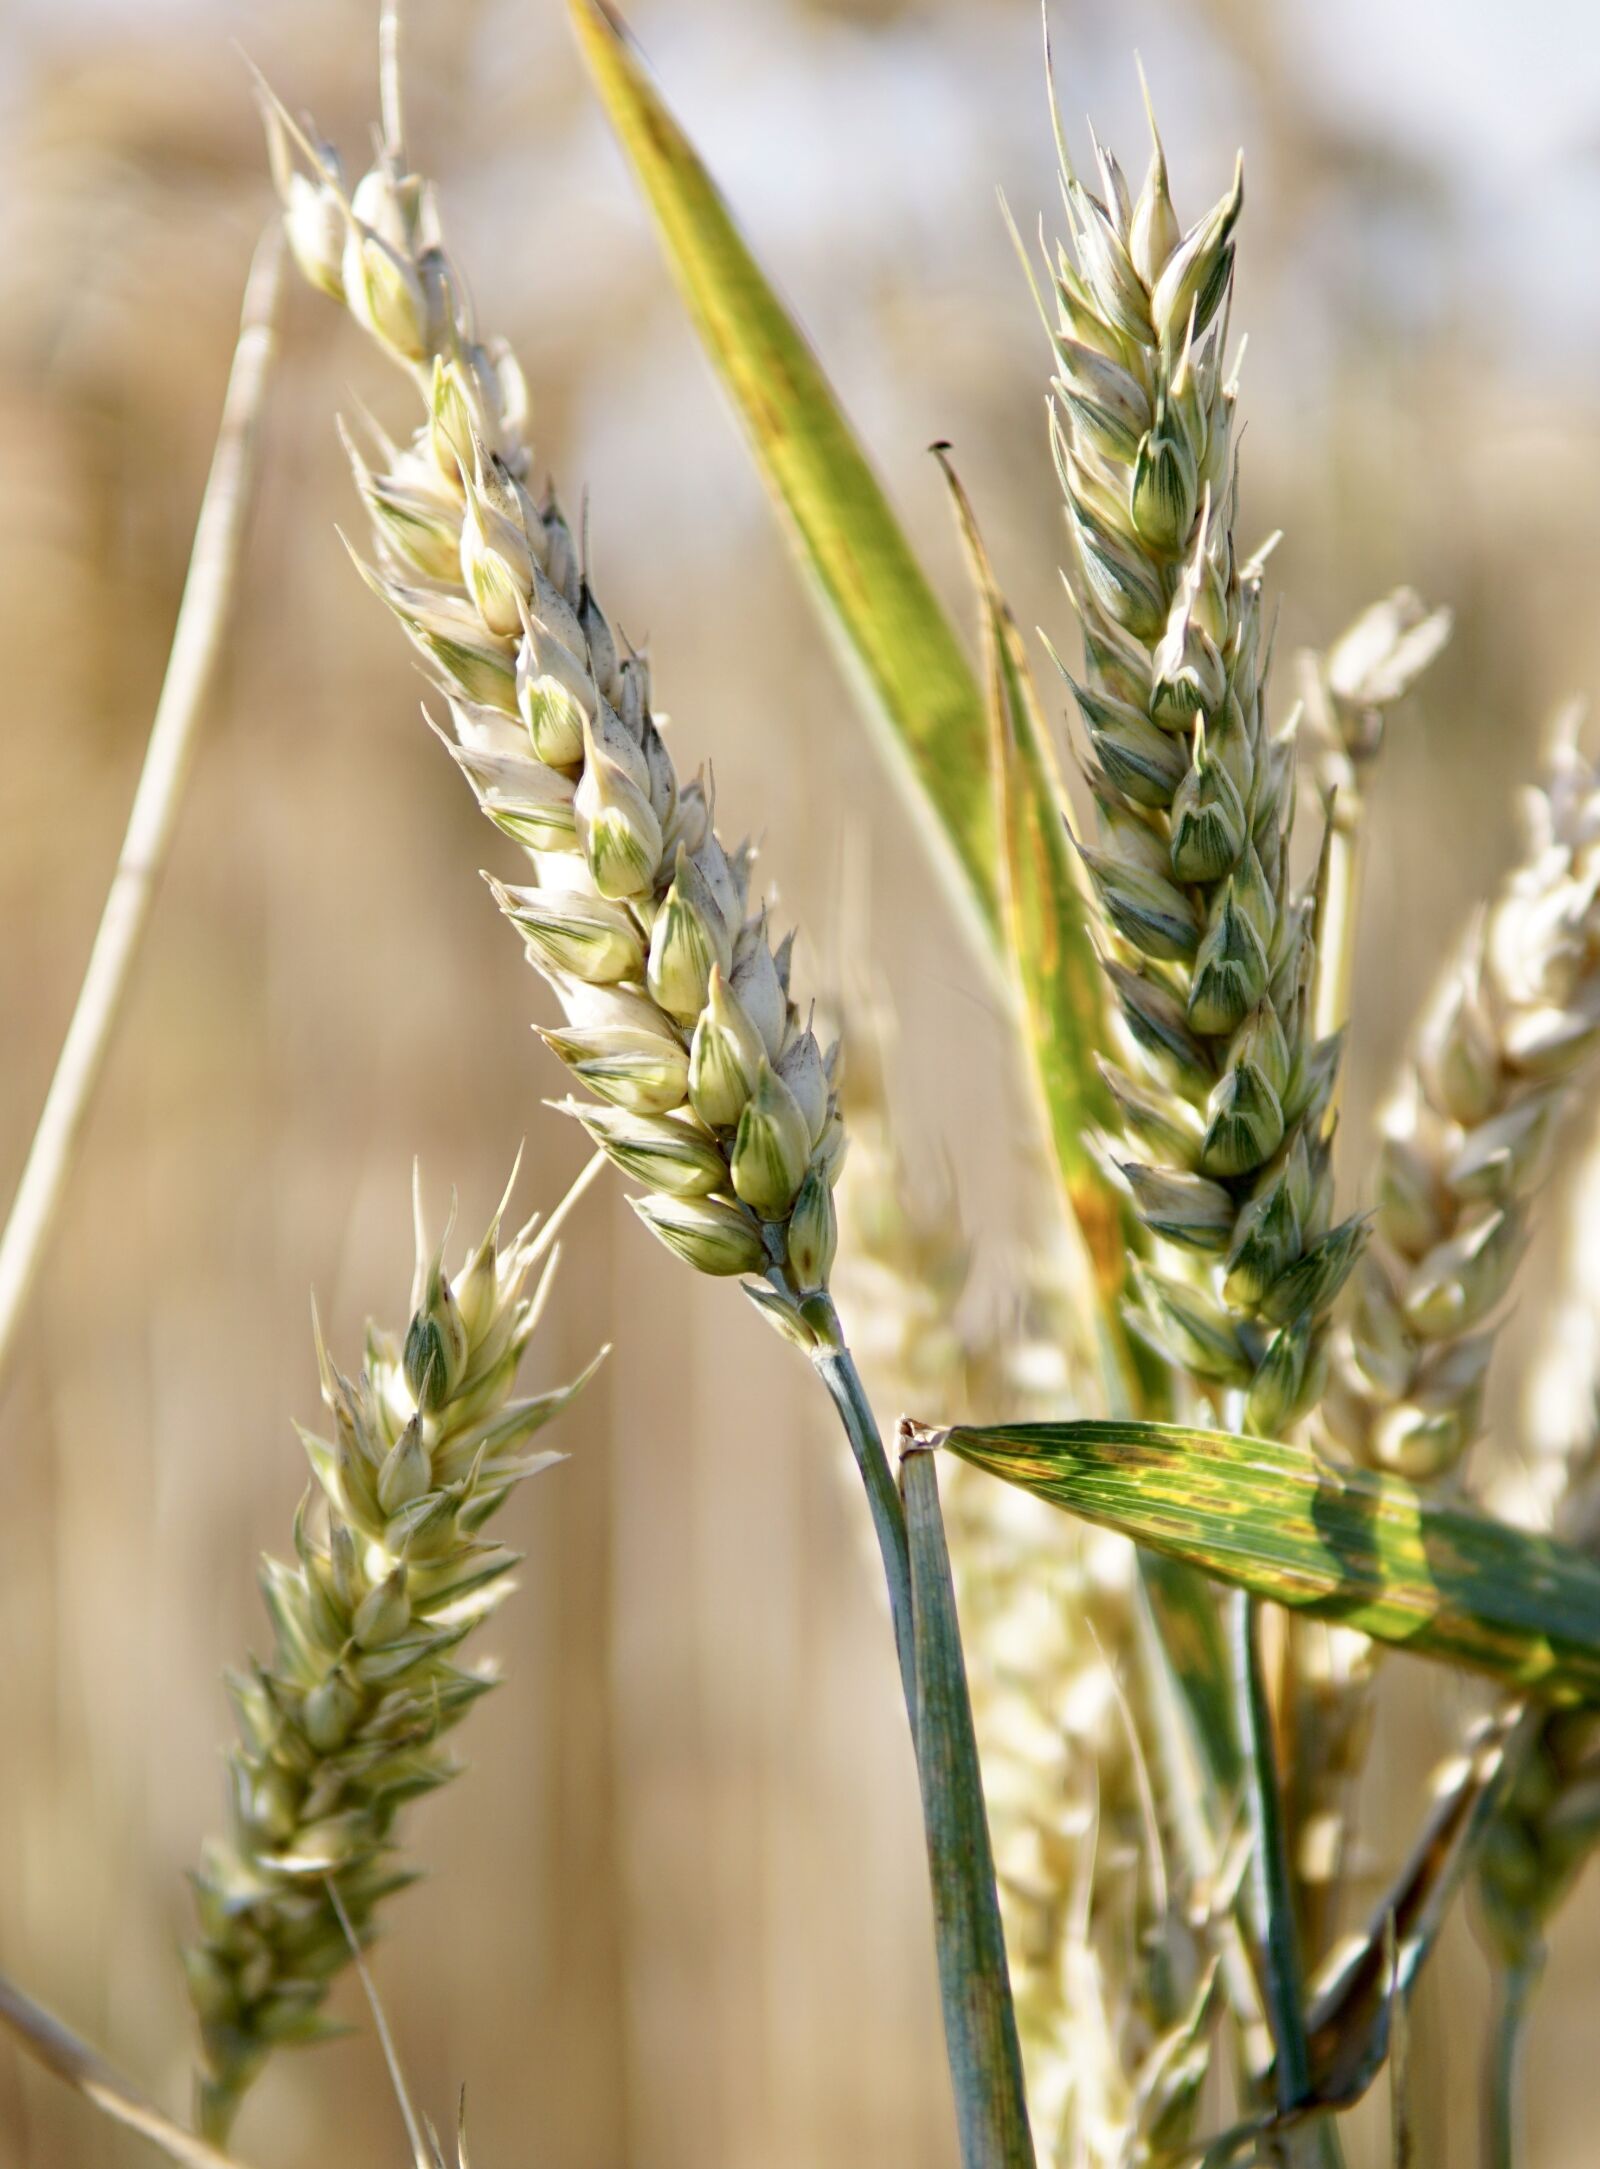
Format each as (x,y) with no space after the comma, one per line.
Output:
(204,617)
(84,2069)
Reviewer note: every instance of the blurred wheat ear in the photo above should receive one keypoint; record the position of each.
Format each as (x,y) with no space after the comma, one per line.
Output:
(348,1720)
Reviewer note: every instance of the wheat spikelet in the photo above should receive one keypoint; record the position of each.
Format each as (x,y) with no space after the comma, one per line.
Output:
(1348,690)
(1223,1088)
(347,1721)
(1113,2036)
(714,1092)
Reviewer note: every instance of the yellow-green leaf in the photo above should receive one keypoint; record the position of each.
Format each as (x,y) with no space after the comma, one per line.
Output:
(901,647)
(1339,1543)
(1045,919)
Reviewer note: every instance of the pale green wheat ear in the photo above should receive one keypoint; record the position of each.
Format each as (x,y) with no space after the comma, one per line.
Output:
(714,1093)
(346,1721)
(1221,1083)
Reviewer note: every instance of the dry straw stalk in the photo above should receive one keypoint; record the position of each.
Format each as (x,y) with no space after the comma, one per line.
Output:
(198,643)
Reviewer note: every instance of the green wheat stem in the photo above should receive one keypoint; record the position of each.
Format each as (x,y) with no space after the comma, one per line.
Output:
(837,1369)
(1518,1985)
(1269,1887)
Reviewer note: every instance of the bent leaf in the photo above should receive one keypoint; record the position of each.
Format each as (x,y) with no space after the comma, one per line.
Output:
(921,692)
(1340,1543)
(1044,919)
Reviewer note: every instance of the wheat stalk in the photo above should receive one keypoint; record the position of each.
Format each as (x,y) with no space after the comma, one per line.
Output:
(1347,693)
(1222,1087)
(1546,1827)
(347,1721)
(712,1089)
(198,641)
(1114,2037)
(59,2051)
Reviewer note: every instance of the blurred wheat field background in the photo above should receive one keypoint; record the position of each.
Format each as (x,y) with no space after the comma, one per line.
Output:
(676,1912)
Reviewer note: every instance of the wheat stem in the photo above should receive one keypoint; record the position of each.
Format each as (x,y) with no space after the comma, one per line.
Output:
(1270,1888)
(204,616)
(1502,2074)
(837,1369)
(84,2069)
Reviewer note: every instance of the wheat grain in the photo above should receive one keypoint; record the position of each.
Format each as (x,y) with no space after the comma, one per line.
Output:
(347,1721)
(1221,1086)
(714,1092)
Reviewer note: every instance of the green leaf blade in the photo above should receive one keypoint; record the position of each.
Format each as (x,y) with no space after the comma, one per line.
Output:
(1369,1551)
(1045,922)
(875,597)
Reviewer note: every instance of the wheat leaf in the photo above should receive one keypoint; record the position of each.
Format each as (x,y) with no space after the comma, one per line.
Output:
(899,645)
(1044,913)
(1339,1543)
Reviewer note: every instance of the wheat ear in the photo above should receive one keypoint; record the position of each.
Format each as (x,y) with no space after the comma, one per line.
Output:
(347,1721)
(1465,1137)
(714,1094)
(1223,1089)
